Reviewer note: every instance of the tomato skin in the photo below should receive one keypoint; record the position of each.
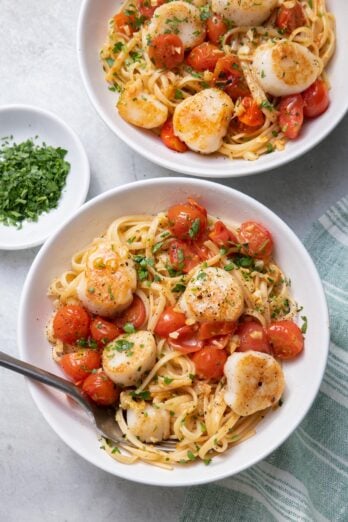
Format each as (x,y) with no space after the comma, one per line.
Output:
(183,216)
(253,337)
(253,115)
(228,76)
(316,99)
(146,8)
(221,236)
(166,51)
(187,340)
(291,115)
(124,23)
(216,28)
(101,389)
(71,323)
(218,328)
(169,321)
(78,365)
(286,339)
(135,314)
(210,363)
(182,256)
(204,57)
(259,240)
(103,331)
(170,140)
(289,19)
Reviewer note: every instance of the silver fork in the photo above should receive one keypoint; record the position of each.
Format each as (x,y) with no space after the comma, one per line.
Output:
(103,417)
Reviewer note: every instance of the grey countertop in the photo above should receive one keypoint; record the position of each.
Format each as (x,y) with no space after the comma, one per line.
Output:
(41,478)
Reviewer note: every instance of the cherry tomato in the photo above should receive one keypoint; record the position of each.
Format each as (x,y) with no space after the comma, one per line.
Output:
(78,365)
(286,339)
(221,236)
(186,340)
(204,57)
(187,221)
(169,321)
(166,51)
(256,239)
(124,23)
(316,99)
(147,7)
(218,328)
(253,115)
(170,140)
(253,337)
(103,331)
(291,115)
(182,256)
(228,75)
(134,314)
(216,28)
(290,18)
(210,363)
(100,389)
(71,323)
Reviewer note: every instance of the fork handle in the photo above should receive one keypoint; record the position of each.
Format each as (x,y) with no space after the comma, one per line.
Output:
(18,366)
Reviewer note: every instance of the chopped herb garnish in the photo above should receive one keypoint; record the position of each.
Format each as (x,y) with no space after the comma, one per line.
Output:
(129,328)
(205,13)
(145,395)
(178,95)
(179,287)
(201,275)
(115,450)
(305,324)
(194,229)
(207,461)
(122,345)
(167,380)
(110,61)
(118,47)
(267,105)
(191,456)
(229,267)
(157,247)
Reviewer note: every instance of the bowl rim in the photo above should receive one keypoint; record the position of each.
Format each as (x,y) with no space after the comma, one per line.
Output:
(210,476)
(176,166)
(84,173)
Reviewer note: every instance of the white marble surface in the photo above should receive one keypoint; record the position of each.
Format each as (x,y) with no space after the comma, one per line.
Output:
(41,478)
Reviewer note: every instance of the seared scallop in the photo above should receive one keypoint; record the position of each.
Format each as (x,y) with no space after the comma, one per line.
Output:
(128,357)
(201,121)
(255,381)
(109,280)
(212,295)
(244,12)
(285,68)
(149,424)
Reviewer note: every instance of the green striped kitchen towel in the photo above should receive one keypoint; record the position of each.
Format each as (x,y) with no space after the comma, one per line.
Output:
(306,479)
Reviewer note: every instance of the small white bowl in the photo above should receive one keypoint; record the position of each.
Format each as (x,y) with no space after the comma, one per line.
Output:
(92,33)
(23,122)
(303,375)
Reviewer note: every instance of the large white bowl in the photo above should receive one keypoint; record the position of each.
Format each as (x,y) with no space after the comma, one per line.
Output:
(303,376)
(92,31)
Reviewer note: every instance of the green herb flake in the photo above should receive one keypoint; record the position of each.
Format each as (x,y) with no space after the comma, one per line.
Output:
(167,380)
(118,47)
(191,456)
(178,95)
(129,328)
(115,450)
(157,247)
(122,345)
(229,267)
(305,324)
(144,395)
(179,287)
(207,461)
(194,229)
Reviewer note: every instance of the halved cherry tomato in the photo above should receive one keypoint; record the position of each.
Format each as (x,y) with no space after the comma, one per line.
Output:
(218,328)
(186,340)
(125,23)
(169,321)
(286,339)
(290,18)
(253,337)
(134,314)
(291,115)
(78,365)
(316,99)
(228,75)
(148,7)
(101,389)
(216,28)
(210,363)
(187,221)
(253,115)
(204,57)
(182,256)
(221,236)
(103,331)
(170,140)
(71,323)
(166,51)
(256,240)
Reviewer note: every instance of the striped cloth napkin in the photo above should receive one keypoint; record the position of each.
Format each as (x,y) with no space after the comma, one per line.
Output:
(306,479)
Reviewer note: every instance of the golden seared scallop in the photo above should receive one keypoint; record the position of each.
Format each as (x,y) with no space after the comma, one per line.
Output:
(285,68)
(255,381)
(244,12)
(139,107)
(180,18)
(128,357)
(149,424)
(201,121)
(109,280)
(212,295)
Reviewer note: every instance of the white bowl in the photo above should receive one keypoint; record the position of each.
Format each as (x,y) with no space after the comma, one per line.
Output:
(92,31)
(303,375)
(23,122)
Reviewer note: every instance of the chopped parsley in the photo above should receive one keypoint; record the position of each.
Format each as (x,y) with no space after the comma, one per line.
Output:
(267,105)
(178,95)
(194,229)
(229,267)
(305,324)
(167,380)
(179,287)
(191,456)
(156,247)
(118,47)
(115,450)
(145,395)
(205,13)
(87,343)
(207,461)
(129,328)
(122,345)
